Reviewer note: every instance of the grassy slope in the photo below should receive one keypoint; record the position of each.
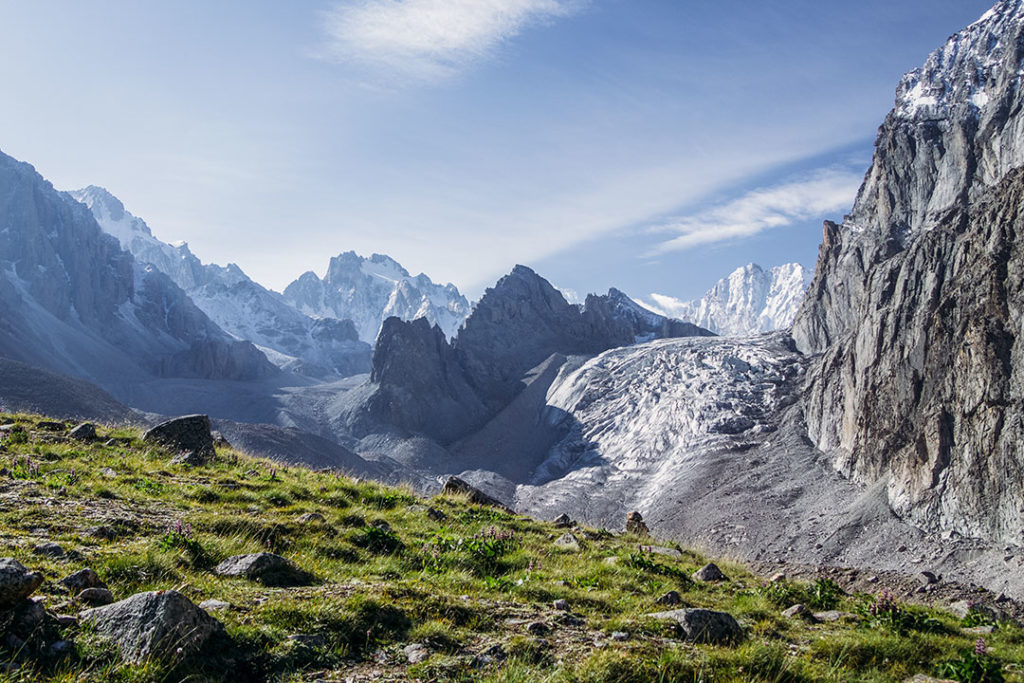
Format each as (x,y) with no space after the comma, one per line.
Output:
(378,591)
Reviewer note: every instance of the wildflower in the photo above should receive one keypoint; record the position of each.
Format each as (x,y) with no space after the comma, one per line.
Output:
(980,647)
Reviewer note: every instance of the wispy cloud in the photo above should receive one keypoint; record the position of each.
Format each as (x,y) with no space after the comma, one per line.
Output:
(430,40)
(812,196)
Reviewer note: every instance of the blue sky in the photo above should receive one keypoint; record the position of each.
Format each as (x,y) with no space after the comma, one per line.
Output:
(652,145)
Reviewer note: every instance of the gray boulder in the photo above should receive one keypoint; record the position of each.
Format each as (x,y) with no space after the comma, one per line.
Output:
(82,579)
(703,625)
(83,432)
(154,625)
(16,582)
(267,568)
(709,572)
(189,436)
(568,542)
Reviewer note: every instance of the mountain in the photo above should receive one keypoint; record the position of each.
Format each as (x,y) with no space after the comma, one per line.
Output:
(750,300)
(315,347)
(916,305)
(422,384)
(370,290)
(72,301)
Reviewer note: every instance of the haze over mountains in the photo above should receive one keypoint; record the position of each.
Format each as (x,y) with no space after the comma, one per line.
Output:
(889,416)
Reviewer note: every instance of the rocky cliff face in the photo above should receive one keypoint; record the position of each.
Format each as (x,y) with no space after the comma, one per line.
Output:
(916,304)
(74,302)
(370,290)
(319,348)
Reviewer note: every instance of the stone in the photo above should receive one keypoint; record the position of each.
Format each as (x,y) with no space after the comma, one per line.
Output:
(563,521)
(82,579)
(95,596)
(795,611)
(667,552)
(669,599)
(108,472)
(61,648)
(924,678)
(927,578)
(214,605)
(436,515)
(962,608)
(66,620)
(568,542)
(219,440)
(561,604)
(635,524)
(709,572)
(50,426)
(416,653)
(83,432)
(154,625)
(981,630)
(703,625)
(778,577)
(29,616)
(620,636)
(312,518)
(457,486)
(51,550)
(16,582)
(189,437)
(832,616)
(495,653)
(267,568)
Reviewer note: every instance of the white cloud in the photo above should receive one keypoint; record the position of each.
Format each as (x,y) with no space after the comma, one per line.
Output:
(820,193)
(429,40)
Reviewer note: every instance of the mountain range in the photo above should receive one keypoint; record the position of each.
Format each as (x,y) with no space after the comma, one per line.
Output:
(874,421)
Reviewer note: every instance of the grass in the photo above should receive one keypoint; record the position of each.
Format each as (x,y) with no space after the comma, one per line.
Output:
(387,575)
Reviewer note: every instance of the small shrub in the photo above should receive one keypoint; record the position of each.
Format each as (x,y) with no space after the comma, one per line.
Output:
(482,554)
(783,593)
(974,665)
(179,537)
(644,561)
(824,594)
(886,613)
(378,540)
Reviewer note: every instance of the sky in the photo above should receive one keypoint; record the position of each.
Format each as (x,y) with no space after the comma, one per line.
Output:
(650,145)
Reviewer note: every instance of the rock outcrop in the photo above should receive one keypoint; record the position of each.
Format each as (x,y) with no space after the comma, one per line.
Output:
(916,304)
(188,436)
(154,625)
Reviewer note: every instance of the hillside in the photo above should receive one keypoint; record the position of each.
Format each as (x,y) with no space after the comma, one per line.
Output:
(382,585)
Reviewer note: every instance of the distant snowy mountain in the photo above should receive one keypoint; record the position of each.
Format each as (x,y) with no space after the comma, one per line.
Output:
(240,306)
(370,290)
(73,301)
(751,300)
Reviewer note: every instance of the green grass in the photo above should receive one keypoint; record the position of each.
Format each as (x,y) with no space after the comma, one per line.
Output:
(387,575)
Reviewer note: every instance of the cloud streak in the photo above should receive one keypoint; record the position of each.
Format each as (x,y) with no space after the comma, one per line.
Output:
(429,40)
(762,209)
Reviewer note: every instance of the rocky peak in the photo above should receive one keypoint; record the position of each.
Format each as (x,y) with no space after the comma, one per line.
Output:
(915,307)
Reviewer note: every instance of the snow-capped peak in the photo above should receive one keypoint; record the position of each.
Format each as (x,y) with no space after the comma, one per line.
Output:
(750,300)
(969,71)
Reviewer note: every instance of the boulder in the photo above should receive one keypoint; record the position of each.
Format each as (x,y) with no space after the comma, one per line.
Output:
(95,596)
(703,625)
(153,625)
(568,542)
(457,486)
(83,432)
(796,611)
(561,605)
(214,605)
(563,521)
(82,579)
(188,436)
(667,552)
(267,568)
(51,550)
(635,524)
(416,653)
(709,572)
(311,518)
(16,582)
(670,598)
